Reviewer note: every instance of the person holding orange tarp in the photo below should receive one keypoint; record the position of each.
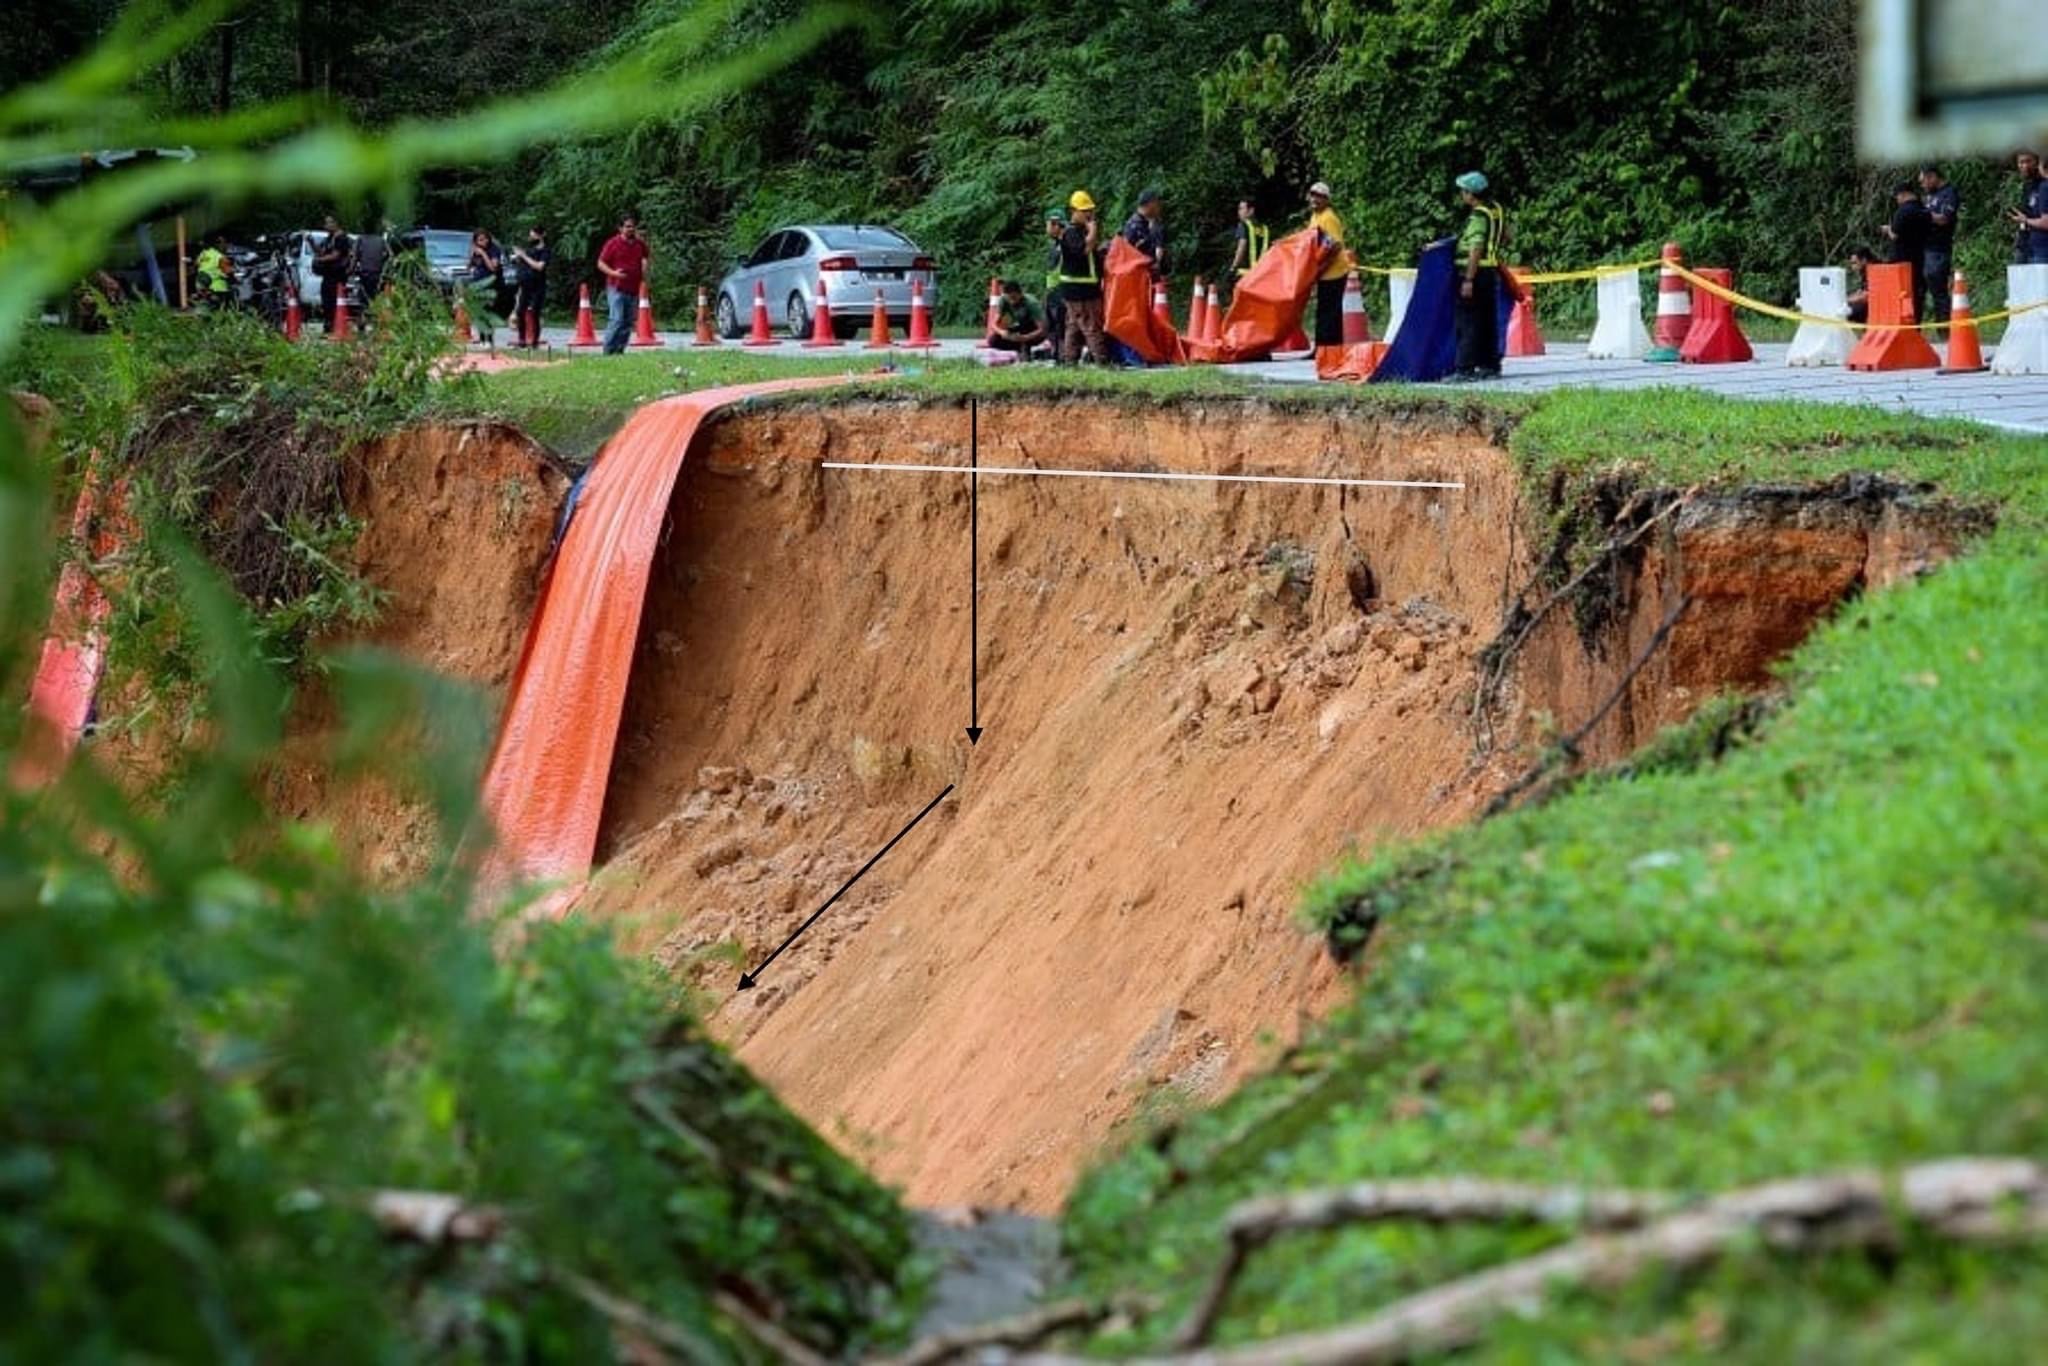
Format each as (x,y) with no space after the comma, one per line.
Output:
(1127,307)
(1330,284)
(1267,303)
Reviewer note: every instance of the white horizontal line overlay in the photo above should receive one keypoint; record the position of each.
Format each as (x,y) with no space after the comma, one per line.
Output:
(1146,474)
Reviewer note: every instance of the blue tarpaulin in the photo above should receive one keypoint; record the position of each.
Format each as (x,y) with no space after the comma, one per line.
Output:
(1426,348)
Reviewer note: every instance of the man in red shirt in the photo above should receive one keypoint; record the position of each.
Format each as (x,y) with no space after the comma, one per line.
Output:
(623,262)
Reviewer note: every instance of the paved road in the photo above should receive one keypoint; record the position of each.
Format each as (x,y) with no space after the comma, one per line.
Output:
(2013,402)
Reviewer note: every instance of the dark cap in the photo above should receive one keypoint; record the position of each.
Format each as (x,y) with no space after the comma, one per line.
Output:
(1147,197)
(1905,187)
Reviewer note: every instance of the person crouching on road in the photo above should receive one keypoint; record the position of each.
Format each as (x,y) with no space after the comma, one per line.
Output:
(1330,284)
(1018,326)
(530,276)
(1479,247)
(1055,306)
(1146,230)
(1860,262)
(1081,283)
(623,262)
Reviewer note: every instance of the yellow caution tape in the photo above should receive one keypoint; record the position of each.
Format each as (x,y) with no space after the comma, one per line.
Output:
(1794,315)
(1555,277)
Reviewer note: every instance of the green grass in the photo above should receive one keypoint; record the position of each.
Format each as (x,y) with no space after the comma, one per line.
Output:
(1828,948)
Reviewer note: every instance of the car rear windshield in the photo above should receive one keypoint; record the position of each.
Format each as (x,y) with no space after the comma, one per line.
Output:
(446,245)
(864,239)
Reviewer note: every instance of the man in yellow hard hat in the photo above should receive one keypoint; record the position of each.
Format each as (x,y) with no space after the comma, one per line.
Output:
(1080,281)
(1330,284)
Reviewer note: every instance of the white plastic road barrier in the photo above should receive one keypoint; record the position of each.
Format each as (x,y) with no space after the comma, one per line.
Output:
(1619,334)
(1823,292)
(1400,289)
(2023,350)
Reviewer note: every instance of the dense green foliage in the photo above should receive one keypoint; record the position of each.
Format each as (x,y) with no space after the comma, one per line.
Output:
(1609,127)
(1820,949)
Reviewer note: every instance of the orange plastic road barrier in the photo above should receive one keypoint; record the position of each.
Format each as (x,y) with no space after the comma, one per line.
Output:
(1265,310)
(1893,342)
(75,650)
(643,324)
(544,790)
(1965,352)
(1128,312)
(1198,313)
(1716,336)
(586,334)
(759,333)
(921,337)
(707,335)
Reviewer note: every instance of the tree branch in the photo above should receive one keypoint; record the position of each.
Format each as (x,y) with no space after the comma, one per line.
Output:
(1993,1200)
(1022,1330)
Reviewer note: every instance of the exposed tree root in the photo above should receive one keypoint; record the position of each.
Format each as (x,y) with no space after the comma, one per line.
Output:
(1965,1199)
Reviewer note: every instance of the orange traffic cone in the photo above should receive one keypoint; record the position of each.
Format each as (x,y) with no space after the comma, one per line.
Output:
(1162,308)
(878,326)
(1357,327)
(822,334)
(643,326)
(1212,317)
(995,310)
(586,333)
(293,319)
(920,320)
(706,334)
(342,331)
(760,334)
(1674,309)
(1525,338)
(1198,312)
(1965,355)
(464,333)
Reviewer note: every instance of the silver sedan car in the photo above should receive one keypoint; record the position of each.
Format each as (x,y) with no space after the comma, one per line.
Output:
(852,260)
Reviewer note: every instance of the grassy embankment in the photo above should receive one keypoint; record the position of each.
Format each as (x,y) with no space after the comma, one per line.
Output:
(1828,948)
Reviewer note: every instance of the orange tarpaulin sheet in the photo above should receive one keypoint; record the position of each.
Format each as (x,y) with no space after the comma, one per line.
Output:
(75,650)
(1267,305)
(1127,307)
(544,790)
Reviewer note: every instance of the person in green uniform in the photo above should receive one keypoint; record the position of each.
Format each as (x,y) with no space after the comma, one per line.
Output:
(1479,247)
(1253,237)
(1019,327)
(216,271)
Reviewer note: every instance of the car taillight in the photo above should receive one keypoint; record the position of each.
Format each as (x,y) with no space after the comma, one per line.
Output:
(838,263)
(924,263)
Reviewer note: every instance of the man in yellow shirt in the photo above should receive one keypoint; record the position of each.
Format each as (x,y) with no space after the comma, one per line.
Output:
(1330,284)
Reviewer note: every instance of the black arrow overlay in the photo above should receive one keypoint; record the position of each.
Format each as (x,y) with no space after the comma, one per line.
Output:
(973,572)
(747,979)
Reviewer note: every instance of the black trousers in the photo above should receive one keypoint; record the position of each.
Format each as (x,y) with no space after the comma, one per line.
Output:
(330,291)
(1937,273)
(1330,312)
(1478,325)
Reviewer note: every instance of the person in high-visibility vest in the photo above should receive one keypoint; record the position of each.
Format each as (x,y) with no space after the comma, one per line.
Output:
(1080,278)
(1480,243)
(216,274)
(1330,284)
(1253,237)
(1055,306)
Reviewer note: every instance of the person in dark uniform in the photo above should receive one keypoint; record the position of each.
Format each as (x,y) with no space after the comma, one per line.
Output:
(330,264)
(530,285)
(1944,207)
(1081,283)
(1146,231)
(1479,246)
(2030,241)
(1907,232)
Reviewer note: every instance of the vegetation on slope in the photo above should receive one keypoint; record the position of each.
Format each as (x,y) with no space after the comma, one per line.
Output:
(1821,949)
